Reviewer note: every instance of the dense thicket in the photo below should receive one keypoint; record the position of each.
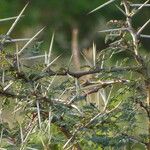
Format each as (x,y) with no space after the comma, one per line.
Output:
(102,105)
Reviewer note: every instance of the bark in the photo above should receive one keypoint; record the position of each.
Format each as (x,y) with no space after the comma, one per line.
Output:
(75,49)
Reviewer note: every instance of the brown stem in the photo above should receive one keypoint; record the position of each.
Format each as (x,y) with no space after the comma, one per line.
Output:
(75,49)
(78,74)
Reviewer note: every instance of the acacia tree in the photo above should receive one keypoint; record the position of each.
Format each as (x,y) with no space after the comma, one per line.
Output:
(52,102)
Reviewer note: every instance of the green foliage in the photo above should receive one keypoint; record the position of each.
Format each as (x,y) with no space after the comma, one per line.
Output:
(44,106)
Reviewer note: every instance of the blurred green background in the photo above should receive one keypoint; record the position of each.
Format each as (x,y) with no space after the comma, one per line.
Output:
(62,16)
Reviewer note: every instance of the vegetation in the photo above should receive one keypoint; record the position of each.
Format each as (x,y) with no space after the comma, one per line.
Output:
(102,105)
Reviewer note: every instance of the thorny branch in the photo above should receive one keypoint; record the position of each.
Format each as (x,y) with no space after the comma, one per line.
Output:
(89,87)
(79,74)
(101,114)
(135,37)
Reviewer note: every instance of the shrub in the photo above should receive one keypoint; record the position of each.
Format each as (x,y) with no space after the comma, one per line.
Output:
(53,108)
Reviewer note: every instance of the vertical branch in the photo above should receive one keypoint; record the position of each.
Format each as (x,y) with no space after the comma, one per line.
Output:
(135,36)
(75,49)
(130,27)
(138,58)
